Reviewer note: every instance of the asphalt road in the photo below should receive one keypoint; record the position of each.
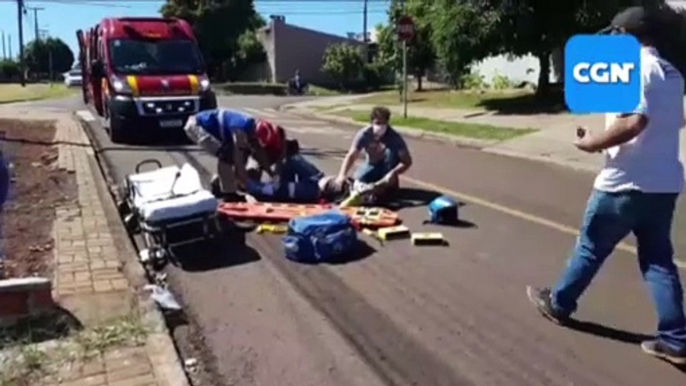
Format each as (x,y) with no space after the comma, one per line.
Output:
(406,315)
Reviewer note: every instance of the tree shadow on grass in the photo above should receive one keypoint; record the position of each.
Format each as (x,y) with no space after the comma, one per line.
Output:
(528,104)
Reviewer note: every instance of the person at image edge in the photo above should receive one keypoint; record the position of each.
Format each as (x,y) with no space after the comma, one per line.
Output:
(636,191)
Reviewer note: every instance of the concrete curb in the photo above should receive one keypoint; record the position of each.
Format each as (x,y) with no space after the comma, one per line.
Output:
(408,131)
(161,349)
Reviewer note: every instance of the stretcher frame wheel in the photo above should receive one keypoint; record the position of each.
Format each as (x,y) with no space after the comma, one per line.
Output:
(148,161)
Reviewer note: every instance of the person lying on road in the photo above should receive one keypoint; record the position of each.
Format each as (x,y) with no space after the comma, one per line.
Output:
(228,135)
(298,181)
(387,155)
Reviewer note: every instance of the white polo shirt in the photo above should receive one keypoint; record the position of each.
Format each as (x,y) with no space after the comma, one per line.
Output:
(650,162)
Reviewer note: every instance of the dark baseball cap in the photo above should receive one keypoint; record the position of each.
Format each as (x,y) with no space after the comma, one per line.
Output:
(634,20)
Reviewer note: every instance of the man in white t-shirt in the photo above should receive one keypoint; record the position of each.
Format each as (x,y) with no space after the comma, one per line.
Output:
(636,192)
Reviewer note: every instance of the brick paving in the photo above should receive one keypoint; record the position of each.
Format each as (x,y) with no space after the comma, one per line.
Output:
(86,256)
(120,367)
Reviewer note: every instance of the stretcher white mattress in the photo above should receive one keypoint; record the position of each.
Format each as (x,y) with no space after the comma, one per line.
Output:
(153,198)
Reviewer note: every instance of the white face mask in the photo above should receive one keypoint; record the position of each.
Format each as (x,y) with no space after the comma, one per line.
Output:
(379,130)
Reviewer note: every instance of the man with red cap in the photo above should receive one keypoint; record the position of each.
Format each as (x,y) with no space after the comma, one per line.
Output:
(272,138)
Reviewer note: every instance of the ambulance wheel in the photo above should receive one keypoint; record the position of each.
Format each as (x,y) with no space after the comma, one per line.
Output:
(117,131)
(215,188)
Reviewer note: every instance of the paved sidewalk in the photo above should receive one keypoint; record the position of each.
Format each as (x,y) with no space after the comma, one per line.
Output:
(93,275)
(128,366)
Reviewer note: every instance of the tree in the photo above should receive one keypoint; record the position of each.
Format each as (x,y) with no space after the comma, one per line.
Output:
(38,55)
(218,25)
(463,32)
(539,27)
(344,62)
(9,69)
(421,55)
(672,37)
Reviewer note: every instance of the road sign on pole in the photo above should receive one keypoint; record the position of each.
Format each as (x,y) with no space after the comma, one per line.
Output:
(405,28)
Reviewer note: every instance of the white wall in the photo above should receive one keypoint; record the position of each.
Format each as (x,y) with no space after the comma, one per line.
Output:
(520,69)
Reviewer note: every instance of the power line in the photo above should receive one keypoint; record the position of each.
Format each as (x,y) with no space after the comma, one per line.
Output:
(35,20)
(284,11)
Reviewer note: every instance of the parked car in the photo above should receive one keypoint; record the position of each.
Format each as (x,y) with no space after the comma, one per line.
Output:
(72,78)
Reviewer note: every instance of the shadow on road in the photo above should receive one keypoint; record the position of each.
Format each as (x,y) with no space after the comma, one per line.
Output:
(615,334)
(602,331)
(411,198)
(228,252)
(364,250)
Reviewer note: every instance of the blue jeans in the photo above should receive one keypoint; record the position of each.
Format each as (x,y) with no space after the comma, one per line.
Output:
(370,173)
(608,219)
(297,169)
(298,181)
(4,180)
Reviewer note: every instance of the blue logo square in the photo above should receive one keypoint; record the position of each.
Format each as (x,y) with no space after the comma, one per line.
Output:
(602,73)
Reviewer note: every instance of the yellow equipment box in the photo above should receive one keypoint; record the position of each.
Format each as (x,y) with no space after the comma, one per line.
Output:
(428,239)
(272,228)
(392,233)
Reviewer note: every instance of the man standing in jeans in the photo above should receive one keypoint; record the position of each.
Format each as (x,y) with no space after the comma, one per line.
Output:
(635,192)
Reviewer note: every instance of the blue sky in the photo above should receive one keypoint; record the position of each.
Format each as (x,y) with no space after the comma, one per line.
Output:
(61,18)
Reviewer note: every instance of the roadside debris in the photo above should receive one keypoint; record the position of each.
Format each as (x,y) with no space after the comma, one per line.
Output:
(163,297)
(191,365)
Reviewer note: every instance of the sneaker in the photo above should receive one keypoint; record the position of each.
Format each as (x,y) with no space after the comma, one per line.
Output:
(660,350)
(542,300)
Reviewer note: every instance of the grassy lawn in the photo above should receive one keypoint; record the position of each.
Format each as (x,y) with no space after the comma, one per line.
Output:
(12,92)
(510,101)
(468,130)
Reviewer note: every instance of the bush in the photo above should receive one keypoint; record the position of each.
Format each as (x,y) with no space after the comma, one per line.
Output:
(474,81)
(8,69)
(251,88)
(344,63)
(377,74)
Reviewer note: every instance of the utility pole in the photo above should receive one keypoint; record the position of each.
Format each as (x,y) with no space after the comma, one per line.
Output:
(405,67)
(364,25)
(44,35)
(35,19)
(20,23)
(9,47)
(4,49)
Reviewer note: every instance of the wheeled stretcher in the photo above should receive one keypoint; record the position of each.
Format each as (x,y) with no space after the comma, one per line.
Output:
(169,207)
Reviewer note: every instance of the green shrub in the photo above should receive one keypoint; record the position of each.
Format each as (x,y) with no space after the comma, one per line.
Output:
(248,88)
